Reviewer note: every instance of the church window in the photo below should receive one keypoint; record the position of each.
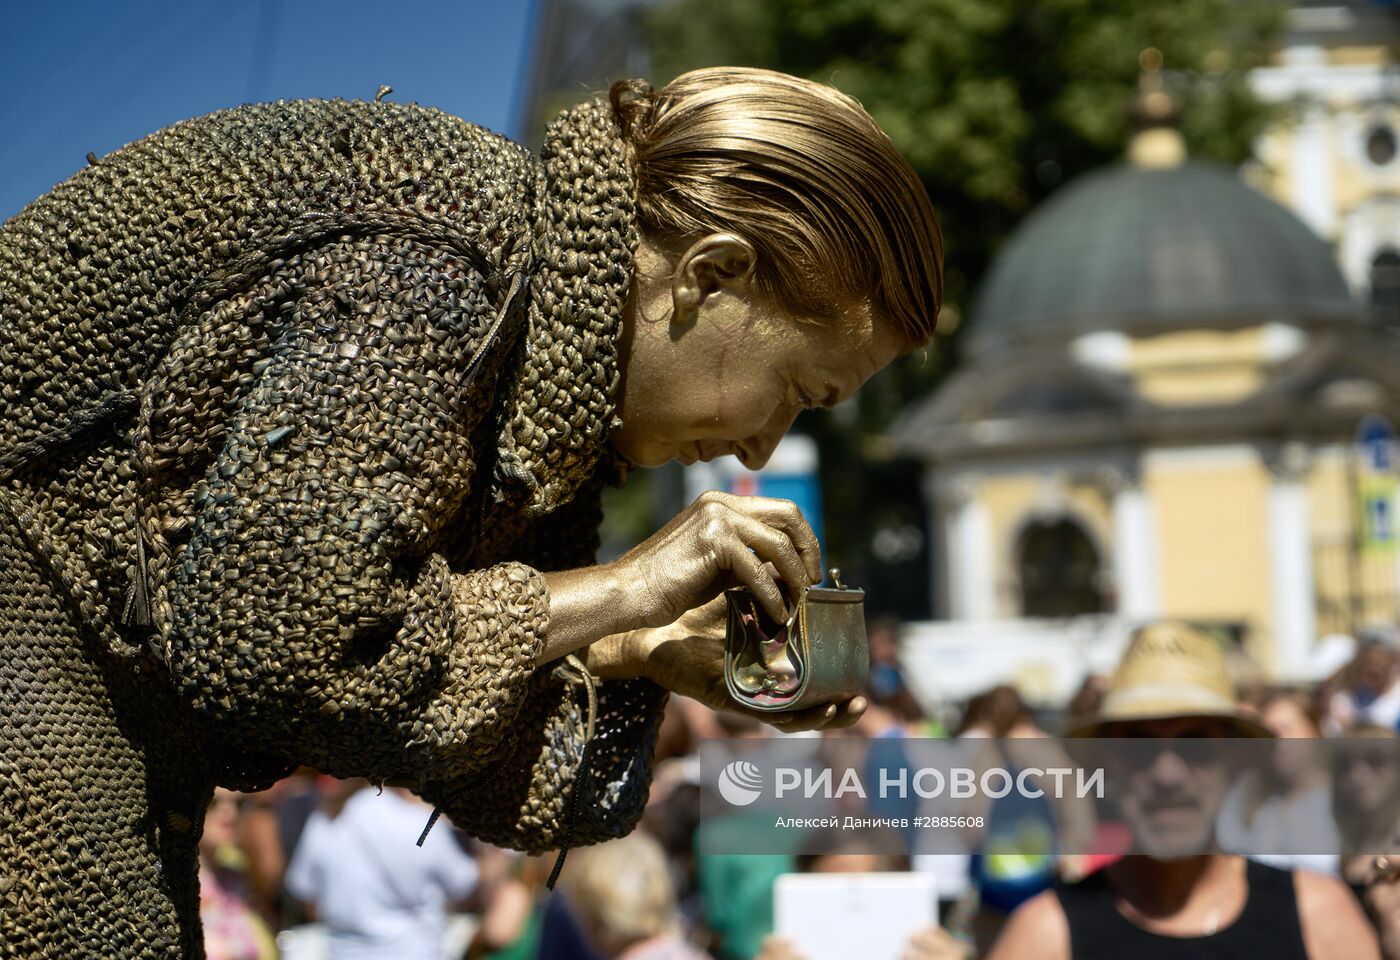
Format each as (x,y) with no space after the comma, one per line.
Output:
(1381,144)
(1385,286)
(1060,570)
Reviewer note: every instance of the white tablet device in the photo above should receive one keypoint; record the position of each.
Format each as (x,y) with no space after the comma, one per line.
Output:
(841,916)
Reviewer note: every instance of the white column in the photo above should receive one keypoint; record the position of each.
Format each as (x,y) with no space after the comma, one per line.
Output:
(1314,195)
(1295,606)
(1134,550)
(967,531)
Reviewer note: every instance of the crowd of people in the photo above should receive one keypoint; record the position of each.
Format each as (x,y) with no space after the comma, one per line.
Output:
(326,868)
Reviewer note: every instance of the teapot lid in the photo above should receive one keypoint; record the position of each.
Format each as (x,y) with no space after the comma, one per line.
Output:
(837,594)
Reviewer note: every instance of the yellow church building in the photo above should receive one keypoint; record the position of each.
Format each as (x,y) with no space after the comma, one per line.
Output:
(1337,164)
(1174,403)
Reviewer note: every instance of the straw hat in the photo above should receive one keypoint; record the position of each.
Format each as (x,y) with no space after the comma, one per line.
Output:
(1170,671)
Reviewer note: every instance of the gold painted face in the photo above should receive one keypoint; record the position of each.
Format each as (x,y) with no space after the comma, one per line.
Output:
(713,366)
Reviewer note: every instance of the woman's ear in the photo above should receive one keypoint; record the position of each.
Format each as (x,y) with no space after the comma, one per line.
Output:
(714,261)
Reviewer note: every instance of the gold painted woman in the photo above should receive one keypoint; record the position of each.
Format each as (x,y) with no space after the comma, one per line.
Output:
(305,411)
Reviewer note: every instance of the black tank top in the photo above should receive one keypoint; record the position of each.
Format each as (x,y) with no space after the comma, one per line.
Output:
(1268,926)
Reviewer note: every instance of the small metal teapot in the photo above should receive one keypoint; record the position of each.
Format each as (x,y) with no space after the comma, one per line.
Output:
(819,656)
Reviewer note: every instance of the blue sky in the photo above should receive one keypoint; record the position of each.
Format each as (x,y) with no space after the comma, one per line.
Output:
(91,75)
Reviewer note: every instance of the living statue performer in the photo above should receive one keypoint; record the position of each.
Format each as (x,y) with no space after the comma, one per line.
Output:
(306,412)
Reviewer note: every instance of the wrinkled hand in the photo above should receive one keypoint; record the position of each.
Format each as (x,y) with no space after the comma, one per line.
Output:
(687,657)
(677,577)
(719,541)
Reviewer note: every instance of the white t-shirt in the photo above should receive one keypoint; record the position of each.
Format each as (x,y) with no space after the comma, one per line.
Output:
(378,894)
(1383,711)
(1294,833)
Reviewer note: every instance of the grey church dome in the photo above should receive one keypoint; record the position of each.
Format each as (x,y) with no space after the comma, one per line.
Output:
(1144,251)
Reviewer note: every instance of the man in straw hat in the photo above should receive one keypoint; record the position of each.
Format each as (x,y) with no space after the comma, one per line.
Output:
(1182,897)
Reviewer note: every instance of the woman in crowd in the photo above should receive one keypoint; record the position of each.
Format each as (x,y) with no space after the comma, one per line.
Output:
(1366,807)
(1365,799)
(622,897)
(233,929)
(1281,814)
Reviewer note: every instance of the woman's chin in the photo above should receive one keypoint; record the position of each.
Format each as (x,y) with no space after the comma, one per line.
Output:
(639,457)
(650,457)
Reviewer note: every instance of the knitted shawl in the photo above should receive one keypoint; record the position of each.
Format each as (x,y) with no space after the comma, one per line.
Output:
(296,403)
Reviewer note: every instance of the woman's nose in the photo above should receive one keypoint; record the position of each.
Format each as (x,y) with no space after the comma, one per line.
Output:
(753,456)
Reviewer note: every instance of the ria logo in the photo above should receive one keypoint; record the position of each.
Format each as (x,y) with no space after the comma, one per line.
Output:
(740,783)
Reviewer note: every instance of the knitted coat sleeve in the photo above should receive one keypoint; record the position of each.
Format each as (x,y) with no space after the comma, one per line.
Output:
(305,611)
(526,800)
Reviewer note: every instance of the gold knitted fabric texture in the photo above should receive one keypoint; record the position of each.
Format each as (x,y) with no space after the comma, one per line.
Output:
(296,401)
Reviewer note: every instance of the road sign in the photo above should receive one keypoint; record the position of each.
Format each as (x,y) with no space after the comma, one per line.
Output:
(1376,481)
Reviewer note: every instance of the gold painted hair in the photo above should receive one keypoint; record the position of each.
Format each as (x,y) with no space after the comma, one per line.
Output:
(835,213)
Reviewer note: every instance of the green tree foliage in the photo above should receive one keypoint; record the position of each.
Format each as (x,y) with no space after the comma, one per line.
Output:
(995,102)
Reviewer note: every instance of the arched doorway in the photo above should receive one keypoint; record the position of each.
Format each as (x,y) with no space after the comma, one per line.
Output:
(1059,570)
(1385,286)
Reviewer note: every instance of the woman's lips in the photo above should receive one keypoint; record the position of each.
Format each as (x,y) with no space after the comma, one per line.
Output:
(696,452)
